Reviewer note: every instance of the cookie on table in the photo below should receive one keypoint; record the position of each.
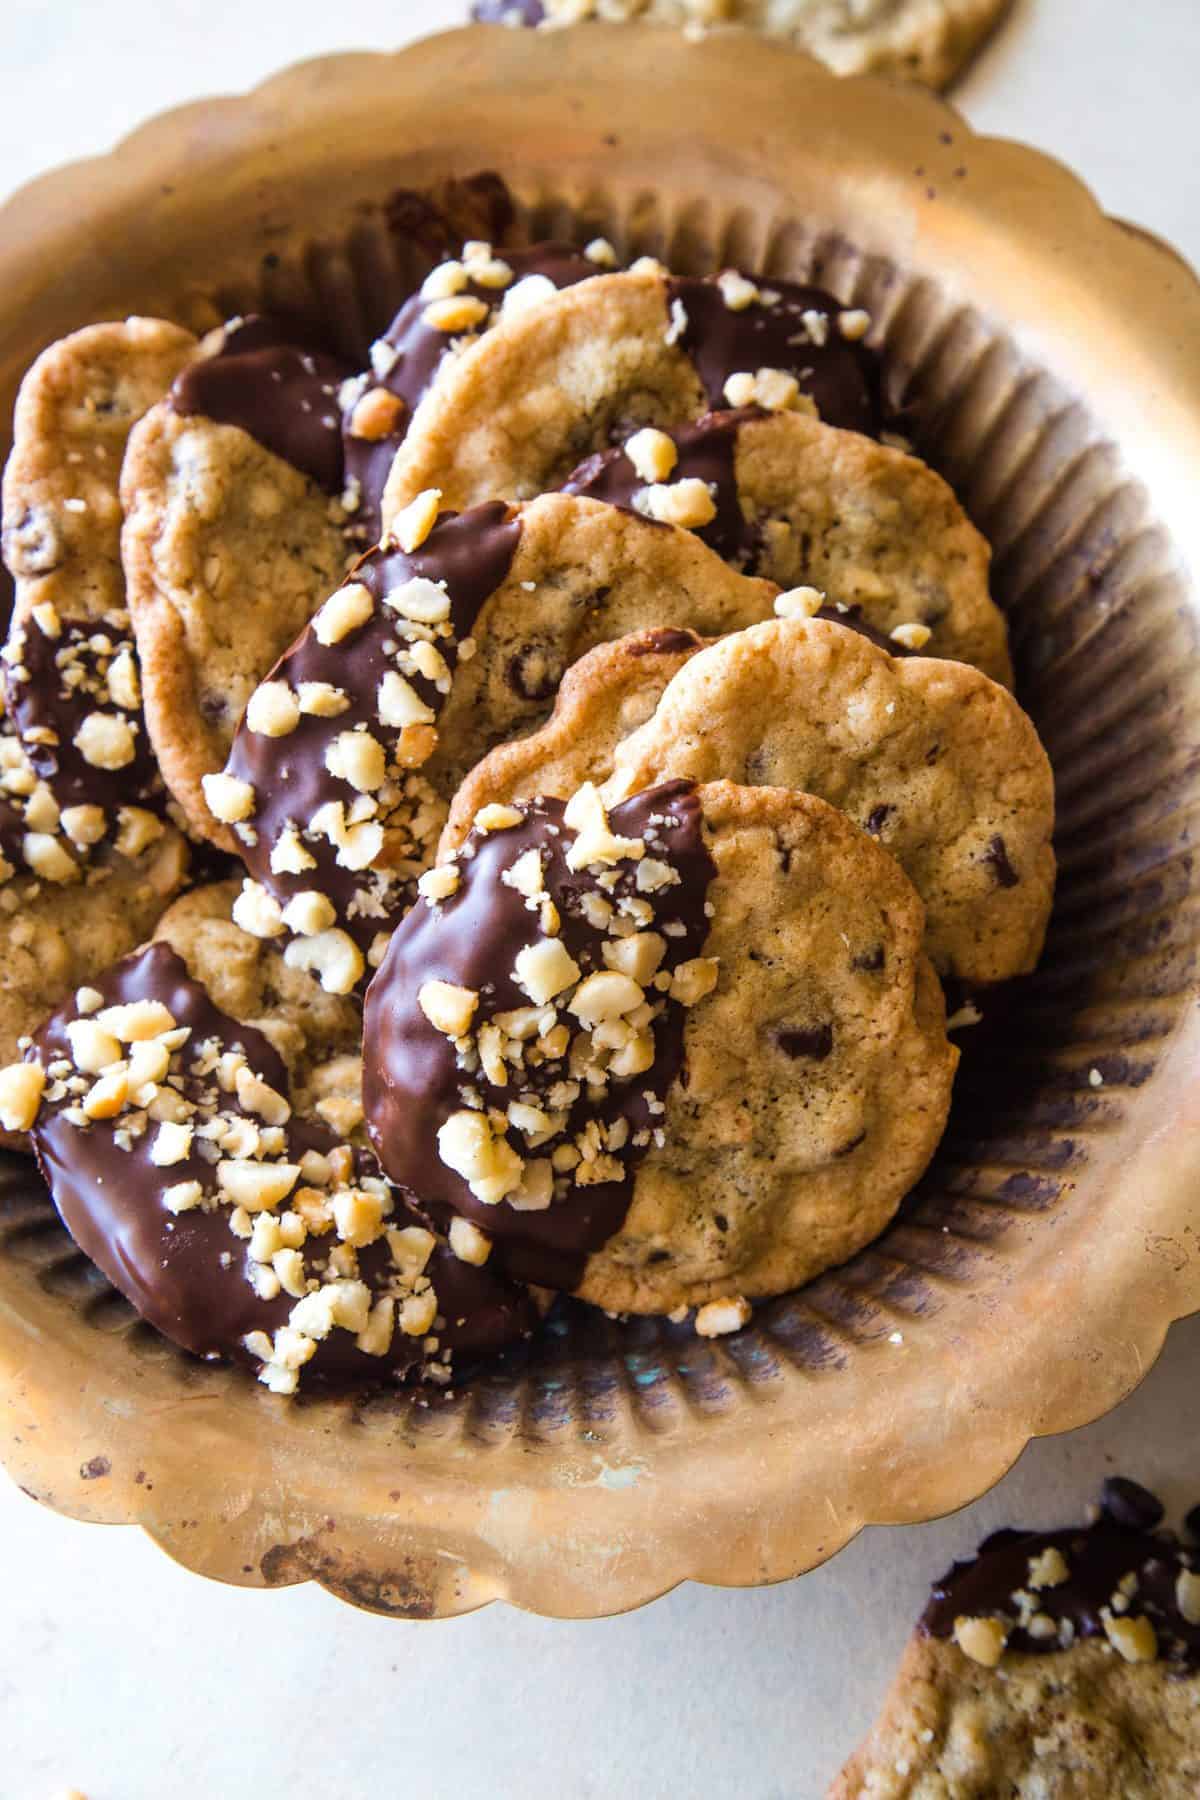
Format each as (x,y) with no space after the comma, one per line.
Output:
(339,777)
(602,698)
(933,760)
(684,1052)
(808,505)
(519,409)
(210,1189)
(929,41)
(1056,1665)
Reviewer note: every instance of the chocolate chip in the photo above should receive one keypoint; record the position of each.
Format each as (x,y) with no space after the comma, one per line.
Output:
(1127,1503)
(871,961)
(996,857)
(877,818)
(533,673)
(812,1041)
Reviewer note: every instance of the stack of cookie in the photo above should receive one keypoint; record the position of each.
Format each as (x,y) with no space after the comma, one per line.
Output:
(594,739)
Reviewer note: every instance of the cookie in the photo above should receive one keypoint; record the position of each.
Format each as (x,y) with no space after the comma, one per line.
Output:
(71,680)
(933,760)
(807,505)
(460,298)
(228,550)
(237,1222)
(339,777)
(516,413)
(929,41)
(602,698)
(54,934)
(684,1052)
(1054,1664)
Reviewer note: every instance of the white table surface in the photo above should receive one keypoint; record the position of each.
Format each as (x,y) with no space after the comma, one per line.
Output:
(129,1679)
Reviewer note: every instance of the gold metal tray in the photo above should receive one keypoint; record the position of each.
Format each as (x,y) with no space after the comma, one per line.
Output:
(1051,360)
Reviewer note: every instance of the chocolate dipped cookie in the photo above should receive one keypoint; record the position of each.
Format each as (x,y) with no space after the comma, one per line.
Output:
(683,1052)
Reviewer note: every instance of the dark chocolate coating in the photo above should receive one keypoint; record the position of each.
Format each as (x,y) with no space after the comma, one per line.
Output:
(1098,1557)
(38,699)
(472,553)
(169,1268)
(412,1081)
(707,452)
(841,377)
(419,351)
(279,388)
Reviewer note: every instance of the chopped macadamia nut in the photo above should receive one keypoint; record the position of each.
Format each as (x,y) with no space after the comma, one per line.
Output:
(854,324)
(137,829)
(47,858)
(227,798)
(256,1186)
(376,414)
(445,280)
(799,603)
(308,913)
(259,1097)
(448,1008)
(438,884)
(415,1316)
(332,956)
(106,741)
(258,912)
(497,818)
(137,1020)
(606,995)
(273,709)
(183,1197)
(423,601)
(595,842)
(468,1144)
(983,1640)
(413,525)
(399,704)
(544,969)
(531,290)
(321,699)
(720,1317)
(288,855)
(688,503)
(85,826)
(459,312)
(468,1243)
(21,1087)
(637,956)
(172,1144)
(912,636)
(358,1216)
(344,611)
(1048,1569)
(601,252)
(92,1047)
(736,291)
(693,980)
(652,453)
(359,758)
(1187,1595)
(1132,1639)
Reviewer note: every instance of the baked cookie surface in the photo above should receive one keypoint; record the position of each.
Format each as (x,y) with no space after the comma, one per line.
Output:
(517,412)
(228,551)
(1058,1665)
(933,760)
(686,1051)
(805,504)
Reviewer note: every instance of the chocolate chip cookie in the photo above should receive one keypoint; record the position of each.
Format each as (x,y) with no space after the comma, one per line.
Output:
(523,406)
(681,1052)
(805,504)
(602,698)
(1056,1665)
(184,1163)
(937,763)
(439,645)
(920,40)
